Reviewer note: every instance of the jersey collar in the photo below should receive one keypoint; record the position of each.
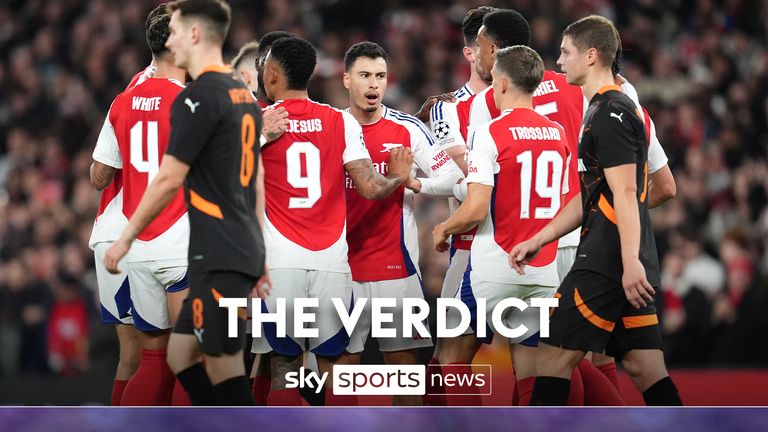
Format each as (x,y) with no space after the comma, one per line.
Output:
(216,68)
(607,88)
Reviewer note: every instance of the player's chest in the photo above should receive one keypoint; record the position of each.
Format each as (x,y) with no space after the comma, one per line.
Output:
(381,141)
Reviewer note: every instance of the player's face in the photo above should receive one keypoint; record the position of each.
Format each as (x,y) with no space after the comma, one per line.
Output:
(271,77)
(248,74)
(179,40)
(572,62)
(486,55)
(366,81)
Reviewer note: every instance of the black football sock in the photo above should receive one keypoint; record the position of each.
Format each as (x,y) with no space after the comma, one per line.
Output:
(662,393)
(234,392)
(550,391)
(195,381)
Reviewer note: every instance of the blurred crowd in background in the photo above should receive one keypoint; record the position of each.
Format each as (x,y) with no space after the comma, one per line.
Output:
(700,68)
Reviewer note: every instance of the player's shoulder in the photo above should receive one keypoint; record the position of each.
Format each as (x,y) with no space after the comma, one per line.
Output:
(411,123)
(615,101)
(463,93)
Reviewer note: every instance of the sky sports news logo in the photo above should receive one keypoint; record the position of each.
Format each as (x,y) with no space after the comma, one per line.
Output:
(372,380)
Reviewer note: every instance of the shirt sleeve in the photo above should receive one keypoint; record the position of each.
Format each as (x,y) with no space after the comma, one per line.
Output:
(566,171)
(107,150)
(442,173)
(194,116)
(354,144)
(483,156)
(444,123)
(657,158)
(615,130)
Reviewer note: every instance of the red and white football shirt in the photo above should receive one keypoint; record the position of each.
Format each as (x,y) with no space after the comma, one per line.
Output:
(304,187)
(382,234)
(560,102)
(110,220)
(524,156)
(137,131)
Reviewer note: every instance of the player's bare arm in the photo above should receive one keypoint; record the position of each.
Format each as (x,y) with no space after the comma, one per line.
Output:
(275,123)
(423,113)
(661,187)
(471,212)
(621,179)
(101,175)
(566,221)
(170,177)
(372,185)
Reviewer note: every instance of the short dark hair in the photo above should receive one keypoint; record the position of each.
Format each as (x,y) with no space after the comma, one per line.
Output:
(506,27)
(367,49)
(248,51)
(266,41)
(616,65)
(298,58)
(472,22)
(160,10)
(522,65)
(595,32)
(216,13)
(157,35)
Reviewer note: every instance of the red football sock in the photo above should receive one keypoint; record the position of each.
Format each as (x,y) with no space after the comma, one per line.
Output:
(152,384)
(609,370)
(260,390)
(461,395)
(526,390)
(180,396)
(434,389)
(576,396)
(339,400)
(118,387)
(598,391)
(285,397)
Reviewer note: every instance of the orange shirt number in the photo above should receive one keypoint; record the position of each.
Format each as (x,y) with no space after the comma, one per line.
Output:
(248,139)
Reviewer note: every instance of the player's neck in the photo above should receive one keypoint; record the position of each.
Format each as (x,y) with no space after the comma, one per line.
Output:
(262,96)
(513,101)
(166,69)
(291,94)
(596,80)
(366,117)
(204,57)
(475,83)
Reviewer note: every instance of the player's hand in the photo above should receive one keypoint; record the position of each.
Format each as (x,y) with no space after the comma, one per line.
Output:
(114,254)
(522,254)
(263,286)
(400,163)
(440,238)
(413,184)
(423,113)
(636,287)
(275,123)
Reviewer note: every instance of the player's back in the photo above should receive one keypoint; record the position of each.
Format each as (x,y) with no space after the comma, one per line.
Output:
(564,104)
(141,120)
(305,188)
(529,170)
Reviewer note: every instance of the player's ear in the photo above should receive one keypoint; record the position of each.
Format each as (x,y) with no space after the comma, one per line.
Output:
(591,56)
(196,32)
(346,80)
(469,55)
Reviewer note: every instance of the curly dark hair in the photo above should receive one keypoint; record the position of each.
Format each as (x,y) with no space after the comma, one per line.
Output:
(298,58)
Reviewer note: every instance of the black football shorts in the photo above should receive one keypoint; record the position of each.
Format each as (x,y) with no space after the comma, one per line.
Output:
(594,315)
(202,317)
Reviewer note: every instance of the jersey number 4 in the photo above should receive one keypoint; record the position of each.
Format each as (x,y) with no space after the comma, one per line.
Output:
(549,165)
(149,163)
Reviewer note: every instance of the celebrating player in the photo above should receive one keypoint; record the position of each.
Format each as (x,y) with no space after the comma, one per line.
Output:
(382,235)
(305,225)
(137,132)
(517,174)
(215,126)
(606,300)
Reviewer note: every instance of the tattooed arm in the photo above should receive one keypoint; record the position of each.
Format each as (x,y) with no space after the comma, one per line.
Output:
(371,184)
(101,175)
